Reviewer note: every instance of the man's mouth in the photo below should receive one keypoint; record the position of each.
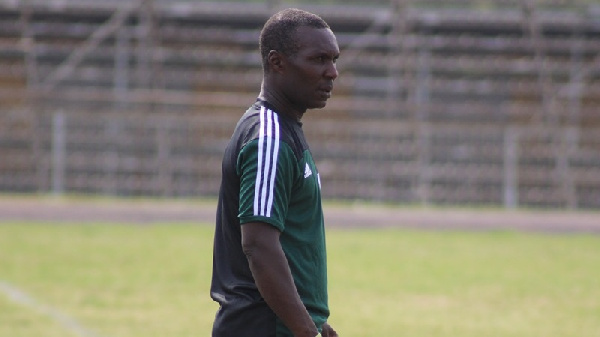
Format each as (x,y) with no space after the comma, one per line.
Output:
(326,91)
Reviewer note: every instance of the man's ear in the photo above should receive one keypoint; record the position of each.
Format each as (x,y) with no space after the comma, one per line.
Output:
(276,61)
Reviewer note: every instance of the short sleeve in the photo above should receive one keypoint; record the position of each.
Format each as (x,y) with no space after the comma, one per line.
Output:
(266,169)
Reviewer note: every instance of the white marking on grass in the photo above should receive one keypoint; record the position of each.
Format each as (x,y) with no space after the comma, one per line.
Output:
(18,296)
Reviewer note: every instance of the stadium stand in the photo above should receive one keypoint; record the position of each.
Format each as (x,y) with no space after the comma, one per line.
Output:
(438,102)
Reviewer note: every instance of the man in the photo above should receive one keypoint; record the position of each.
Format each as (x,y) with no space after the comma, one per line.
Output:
(269,264)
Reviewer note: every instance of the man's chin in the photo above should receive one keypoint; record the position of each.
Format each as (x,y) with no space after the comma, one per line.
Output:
(318,105)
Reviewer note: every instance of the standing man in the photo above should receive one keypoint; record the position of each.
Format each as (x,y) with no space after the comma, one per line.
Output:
(269,263)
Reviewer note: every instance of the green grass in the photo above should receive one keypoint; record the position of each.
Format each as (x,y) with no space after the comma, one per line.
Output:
(130,280)
(115,280)
(404,283)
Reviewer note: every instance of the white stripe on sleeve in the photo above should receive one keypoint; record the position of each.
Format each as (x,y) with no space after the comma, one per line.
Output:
(274,169)
(261,138)
(268,148)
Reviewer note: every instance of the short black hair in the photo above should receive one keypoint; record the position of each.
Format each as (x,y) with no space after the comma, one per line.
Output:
(278,32)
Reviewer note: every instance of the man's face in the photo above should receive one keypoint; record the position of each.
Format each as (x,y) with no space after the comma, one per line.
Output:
(308,78)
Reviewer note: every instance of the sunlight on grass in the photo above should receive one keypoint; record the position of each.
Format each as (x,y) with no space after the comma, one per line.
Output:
(121,280)
(131,280)
(468,284)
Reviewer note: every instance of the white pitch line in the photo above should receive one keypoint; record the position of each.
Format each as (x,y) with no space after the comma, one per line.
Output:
(21,298)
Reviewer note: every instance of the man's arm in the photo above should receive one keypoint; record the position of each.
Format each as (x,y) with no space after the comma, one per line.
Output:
(269,266)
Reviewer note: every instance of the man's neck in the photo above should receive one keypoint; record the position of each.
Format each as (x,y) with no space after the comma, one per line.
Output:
(281,105)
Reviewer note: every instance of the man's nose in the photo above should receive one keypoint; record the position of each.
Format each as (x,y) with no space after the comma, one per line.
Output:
(331,71)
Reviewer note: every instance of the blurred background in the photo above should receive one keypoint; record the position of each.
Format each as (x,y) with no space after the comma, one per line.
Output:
(439,102)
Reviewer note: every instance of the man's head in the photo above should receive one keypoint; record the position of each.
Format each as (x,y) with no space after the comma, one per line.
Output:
(299,53)
(279,32)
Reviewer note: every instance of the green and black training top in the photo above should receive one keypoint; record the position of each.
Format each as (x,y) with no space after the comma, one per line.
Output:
(268,175)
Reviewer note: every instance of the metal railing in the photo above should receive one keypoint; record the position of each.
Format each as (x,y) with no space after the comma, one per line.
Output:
(434,105)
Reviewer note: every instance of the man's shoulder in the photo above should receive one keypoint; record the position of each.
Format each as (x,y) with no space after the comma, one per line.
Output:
(260,121)
(248,126)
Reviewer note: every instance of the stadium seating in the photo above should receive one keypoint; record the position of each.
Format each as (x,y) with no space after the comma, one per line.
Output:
(438,102)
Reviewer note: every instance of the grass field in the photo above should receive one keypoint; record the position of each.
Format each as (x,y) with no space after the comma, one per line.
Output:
(115,280)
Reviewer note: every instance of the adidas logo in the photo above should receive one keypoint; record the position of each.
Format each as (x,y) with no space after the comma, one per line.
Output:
(307,171)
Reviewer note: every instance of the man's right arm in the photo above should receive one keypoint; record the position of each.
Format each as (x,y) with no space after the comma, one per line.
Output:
(271,272)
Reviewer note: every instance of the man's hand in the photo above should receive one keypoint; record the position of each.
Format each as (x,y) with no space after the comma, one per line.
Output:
(328,331)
